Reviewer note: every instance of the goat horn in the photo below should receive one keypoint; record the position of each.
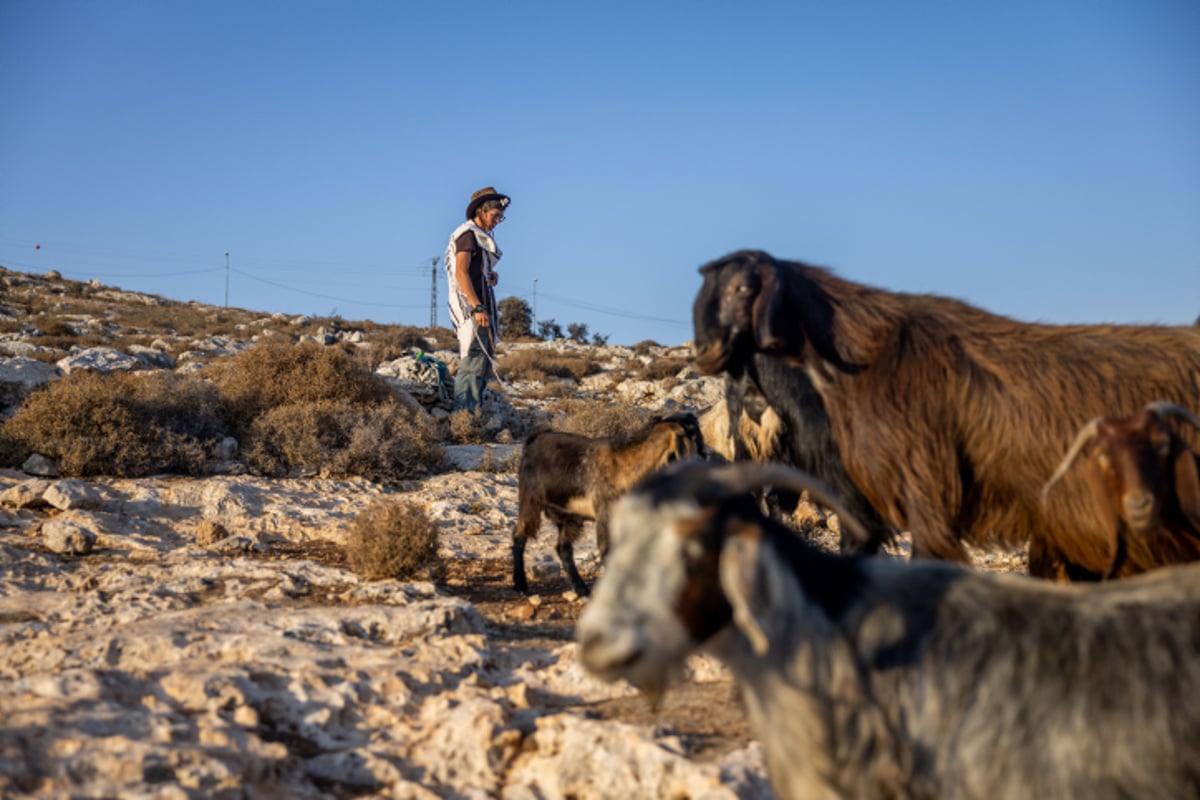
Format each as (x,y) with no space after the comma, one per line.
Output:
(1085,435)
(748,475)
(1163,408)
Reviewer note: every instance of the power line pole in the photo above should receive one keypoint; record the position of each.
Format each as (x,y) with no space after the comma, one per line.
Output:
(535,306)
(227,279)
(433,262)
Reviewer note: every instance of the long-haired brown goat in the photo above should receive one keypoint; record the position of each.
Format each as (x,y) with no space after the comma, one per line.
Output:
(573,478)
(1146,481)
(947,417)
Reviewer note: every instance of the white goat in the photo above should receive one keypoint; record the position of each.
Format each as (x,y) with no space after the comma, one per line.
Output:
(873,677)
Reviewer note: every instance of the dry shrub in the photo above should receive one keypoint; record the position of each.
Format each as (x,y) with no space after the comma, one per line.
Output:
(490,462)
(539,365)
(661,368)
(275,375)
(552,390)
(209,533)
(392,342)
(121,424)
(597,418)
(645,347)
(467,428)
(392,540)
(383,443)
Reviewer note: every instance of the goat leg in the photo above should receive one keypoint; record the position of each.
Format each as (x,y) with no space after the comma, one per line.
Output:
(566,554)
(518,560)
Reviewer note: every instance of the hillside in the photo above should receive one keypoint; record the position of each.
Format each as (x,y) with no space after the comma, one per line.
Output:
(202,634)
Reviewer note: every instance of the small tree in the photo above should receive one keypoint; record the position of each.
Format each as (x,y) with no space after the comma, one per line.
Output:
(599,339)
(549,330)
(578,332)
(516,317)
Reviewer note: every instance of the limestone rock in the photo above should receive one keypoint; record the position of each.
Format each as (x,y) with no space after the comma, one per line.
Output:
(38,464)
(100,359)
(68,494)
(68,537)
(27,494)
(20,376)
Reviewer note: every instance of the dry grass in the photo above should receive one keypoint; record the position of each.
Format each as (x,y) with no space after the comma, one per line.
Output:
(467,428)
(539,365)
(597,418)
(661,368)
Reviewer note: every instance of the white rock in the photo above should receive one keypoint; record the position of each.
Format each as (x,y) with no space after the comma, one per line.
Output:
(67,494)
(101,359)
(67,537)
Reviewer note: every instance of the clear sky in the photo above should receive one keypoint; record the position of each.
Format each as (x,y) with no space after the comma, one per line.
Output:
(1038,158)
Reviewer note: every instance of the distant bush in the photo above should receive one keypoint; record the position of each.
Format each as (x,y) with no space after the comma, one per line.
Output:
(392,540)
(551,391)
(388,344)
(595,418)
(182,319)
(383,443)
(538,365)
(467,428)
(661,368)
(121,424)
(645,347)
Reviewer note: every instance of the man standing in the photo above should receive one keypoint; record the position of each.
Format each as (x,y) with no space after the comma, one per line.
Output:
(470,267)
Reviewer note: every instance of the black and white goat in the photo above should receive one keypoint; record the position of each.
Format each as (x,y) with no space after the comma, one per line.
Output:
(866,676)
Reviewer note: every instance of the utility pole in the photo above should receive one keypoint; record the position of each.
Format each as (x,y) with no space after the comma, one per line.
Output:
(433,262)
(534,326)
(227,279)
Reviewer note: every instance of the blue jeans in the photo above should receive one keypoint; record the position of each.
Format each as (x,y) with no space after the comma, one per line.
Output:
(473,374)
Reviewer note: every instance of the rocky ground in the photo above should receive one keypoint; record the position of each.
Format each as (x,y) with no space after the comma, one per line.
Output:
(261,666)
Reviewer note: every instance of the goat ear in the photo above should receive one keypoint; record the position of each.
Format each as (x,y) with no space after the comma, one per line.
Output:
(766,308)
(1187,486)
(740,576)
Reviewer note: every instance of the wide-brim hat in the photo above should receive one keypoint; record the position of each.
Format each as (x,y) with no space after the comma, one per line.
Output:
(482,196)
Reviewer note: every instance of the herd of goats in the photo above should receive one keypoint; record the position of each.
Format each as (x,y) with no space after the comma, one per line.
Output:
(865,675)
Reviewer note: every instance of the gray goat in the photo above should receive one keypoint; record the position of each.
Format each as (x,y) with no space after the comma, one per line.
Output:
(866,676)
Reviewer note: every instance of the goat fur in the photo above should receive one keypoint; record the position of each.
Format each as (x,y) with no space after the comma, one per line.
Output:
(572,478)
(1145,480)
(947,418)
(873,677)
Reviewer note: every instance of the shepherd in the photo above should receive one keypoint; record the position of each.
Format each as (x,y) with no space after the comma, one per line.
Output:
(471,261)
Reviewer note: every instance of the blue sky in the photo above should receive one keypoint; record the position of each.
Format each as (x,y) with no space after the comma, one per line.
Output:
(1040,159)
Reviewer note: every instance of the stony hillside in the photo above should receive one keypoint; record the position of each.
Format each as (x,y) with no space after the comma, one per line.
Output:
(203,635)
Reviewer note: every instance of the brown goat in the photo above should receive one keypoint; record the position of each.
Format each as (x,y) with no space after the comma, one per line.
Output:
(572,478)
(945,415)
(1145,480)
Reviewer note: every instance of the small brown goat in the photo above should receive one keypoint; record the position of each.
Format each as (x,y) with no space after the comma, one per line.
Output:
(1146,481)
(945,416)
(572,478)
